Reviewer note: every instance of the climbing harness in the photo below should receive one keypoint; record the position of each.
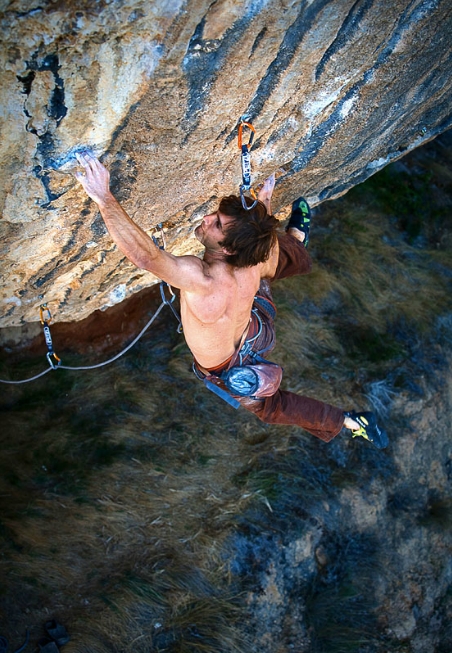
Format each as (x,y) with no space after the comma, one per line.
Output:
(55,362)
(248,373)
(246,164)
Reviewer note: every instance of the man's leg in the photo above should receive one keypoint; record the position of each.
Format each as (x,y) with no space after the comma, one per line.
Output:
(293,256)
(318,418)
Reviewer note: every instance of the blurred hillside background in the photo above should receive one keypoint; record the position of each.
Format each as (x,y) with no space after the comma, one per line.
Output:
(147,515)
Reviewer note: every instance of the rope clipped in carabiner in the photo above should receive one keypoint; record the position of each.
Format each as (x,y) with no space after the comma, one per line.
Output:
(46,318)
(246,165)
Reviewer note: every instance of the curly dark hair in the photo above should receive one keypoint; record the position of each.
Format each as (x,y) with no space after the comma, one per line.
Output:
(251,236)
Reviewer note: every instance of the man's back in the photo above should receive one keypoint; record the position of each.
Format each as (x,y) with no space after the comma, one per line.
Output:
(214,323)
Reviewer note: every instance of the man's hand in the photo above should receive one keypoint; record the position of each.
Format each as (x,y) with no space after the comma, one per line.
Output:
(265,193)
(96,180)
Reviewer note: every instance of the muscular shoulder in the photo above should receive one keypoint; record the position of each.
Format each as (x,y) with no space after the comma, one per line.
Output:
(184,272)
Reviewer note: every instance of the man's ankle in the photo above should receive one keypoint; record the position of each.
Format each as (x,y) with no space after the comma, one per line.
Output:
(350,423)
(296,233)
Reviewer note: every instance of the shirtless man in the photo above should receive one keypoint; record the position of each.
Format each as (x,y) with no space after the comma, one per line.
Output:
(219,308)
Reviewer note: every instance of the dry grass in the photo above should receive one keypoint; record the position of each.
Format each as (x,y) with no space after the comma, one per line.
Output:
(121,490)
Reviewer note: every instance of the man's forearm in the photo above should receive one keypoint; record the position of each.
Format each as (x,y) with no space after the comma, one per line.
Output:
(265,193)
(128,236)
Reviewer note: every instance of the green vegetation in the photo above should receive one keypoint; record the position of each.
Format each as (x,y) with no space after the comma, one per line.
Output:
(148,516)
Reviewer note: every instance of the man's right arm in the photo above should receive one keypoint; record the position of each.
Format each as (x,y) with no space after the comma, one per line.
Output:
(185,272)
(268,268)
(266,191)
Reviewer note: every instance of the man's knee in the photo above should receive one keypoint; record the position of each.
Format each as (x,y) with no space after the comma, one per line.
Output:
(294,258)
(262,408)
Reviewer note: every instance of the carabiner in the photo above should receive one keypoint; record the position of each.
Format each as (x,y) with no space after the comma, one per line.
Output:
(46,318)
(243,197)
(45,315)
(162,236)
(169,302)
(163,286)
(240,135)
(51,363)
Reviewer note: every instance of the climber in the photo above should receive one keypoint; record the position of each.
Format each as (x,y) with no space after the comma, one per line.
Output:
(227,310)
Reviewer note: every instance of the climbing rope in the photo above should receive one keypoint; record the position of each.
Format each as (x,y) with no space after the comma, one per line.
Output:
(246,164)
(60,366)
(111,360)
(55,362)
(33,378)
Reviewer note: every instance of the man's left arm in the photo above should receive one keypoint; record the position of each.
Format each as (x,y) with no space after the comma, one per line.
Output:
(185,272)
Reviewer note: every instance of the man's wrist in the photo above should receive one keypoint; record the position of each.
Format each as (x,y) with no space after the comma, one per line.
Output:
(106,200)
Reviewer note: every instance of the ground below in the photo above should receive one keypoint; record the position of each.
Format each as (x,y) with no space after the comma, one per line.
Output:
(145,515)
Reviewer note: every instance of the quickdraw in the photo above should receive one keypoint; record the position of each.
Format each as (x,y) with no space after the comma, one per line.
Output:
(55,362)
(164,285)
(246,164)
(46,319)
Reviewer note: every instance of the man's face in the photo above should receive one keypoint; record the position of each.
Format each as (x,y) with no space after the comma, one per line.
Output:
(212,230)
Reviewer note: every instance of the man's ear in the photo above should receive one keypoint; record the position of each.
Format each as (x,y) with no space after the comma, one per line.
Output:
(227,251)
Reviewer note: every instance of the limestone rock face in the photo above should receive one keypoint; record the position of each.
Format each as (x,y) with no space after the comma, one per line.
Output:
(335,90)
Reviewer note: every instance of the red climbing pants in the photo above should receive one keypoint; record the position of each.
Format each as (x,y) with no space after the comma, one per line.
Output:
(316,417)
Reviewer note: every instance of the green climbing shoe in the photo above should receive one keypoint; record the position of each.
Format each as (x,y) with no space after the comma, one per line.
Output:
(300,218)
(368,429)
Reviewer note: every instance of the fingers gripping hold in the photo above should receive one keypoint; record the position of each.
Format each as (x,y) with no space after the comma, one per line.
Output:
(95,179)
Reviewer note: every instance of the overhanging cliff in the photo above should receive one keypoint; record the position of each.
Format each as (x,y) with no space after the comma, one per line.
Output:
(335,89)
